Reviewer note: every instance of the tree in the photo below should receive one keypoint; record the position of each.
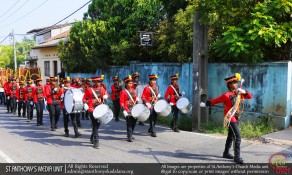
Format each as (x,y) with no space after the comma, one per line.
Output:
(248,31)
(6,53)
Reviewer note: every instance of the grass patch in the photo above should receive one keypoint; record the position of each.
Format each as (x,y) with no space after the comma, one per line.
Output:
(185,123)
(261,126)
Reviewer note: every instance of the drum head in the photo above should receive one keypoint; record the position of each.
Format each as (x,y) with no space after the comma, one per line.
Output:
(182,103)
(68,101)
(160,105)
(137,110)
(100,110)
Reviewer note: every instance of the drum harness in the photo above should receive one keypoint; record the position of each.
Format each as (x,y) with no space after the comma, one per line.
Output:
(153,93)
(174,90)
(130,95)
(95,95)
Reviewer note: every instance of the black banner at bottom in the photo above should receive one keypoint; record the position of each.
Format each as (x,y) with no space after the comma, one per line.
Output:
(142,168)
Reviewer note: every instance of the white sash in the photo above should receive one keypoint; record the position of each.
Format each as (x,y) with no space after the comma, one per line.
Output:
(95,95)
(174,90)
(130,95)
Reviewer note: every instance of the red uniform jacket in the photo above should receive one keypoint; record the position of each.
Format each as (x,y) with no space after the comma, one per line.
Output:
(103,85)
(39,93)
(228,99)
(115,92)
(126,102)
(7,88)
(173,96)
(90,99)
(77,85)
(20,94)
(134,85)
(62,92)
(14,88)
(148,96)
(29,93)
(53,97)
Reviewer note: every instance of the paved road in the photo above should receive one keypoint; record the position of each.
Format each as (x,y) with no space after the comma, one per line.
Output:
(23,142)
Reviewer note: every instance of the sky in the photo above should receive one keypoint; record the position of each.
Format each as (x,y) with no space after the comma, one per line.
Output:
(25,15)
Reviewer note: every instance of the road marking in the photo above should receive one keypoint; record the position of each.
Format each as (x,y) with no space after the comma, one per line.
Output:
(6,158)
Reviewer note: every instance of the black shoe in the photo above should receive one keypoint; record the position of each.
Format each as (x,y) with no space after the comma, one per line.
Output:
(42,123)
(175,129)
(91,141)
(53,129)
(228,156)
(238,160)
(77,135)
(79,126)
(117,119)
(153,134)
(141,123)
(27,120)
(66,135)
(130,139)
(87,118)
(96,145)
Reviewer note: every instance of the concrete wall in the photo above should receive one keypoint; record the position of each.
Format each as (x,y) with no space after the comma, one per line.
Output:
(270,84)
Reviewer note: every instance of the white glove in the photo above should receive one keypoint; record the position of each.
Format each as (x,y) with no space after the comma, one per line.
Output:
(125,113)
(183,93)
(105,97)
(158,96)
(31,102)
(171,104)
(62,96)
(137,99)
(55,89)
(16,101)
(85,106)
(8,97)
(148,105)
(241,91)
(202,104)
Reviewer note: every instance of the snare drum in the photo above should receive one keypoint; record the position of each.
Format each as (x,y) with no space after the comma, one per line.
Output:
(184,105)
(162,108)
(140,112)
(73,100)
(103,113)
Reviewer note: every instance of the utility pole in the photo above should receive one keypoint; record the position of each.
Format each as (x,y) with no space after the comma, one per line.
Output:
(200,73)
(14,48)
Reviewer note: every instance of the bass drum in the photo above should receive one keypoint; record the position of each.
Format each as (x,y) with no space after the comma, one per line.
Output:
(103,113)
(73,100)
(183,104)
(162,108)
(140,112)
(139,90)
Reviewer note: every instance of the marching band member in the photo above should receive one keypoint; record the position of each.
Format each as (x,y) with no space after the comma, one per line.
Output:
(136,82)
(29,89)
(172,92)
(128,98)
(13,98)
(20,95)
(229,99)
(7,91)
(66,114)
(93,97)
(116,89)
(53,100)
(38,98)
(149,96)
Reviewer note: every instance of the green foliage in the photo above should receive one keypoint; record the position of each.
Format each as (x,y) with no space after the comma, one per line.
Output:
(22,51)
(248,31)
(185,123)
(262,125)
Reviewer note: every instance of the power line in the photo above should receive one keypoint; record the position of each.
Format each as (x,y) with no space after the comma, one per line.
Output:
(49,28)
(5,38)
(15,11)
(26,14)
(10,8)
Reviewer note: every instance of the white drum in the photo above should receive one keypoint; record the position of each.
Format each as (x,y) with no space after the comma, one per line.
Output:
(183,104)
(162,108)
(1,89)
(141,112)
(139,90)
(103,113)
(73,100)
